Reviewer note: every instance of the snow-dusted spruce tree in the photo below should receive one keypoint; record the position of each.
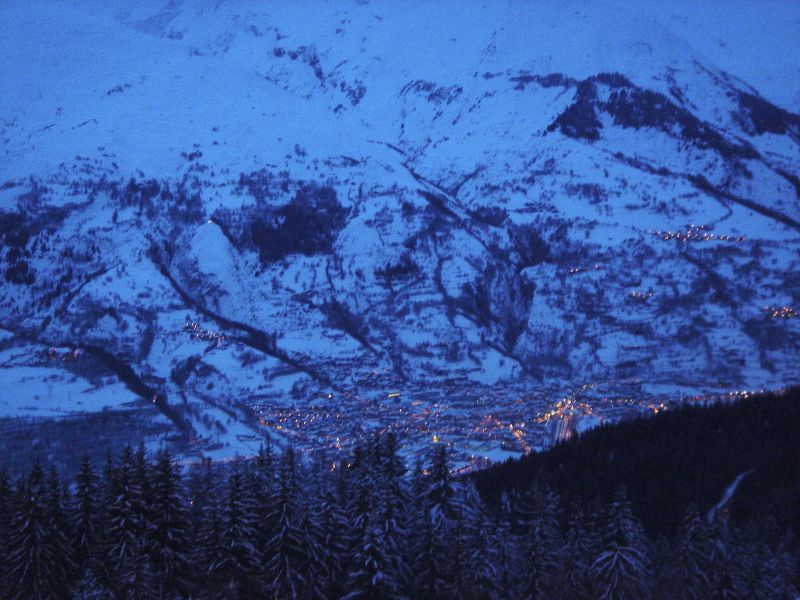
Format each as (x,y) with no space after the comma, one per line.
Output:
(760,570)
(36,561)
(441,489)
(333,531)
(721,575)
(60,526)
(621,570)
(361,488)
(787,564)
(285,560)
(348,532)
(167,532)
(573,572)
(377,566)
(372,574)
(99,563)
(393,500)
(261,481)
(238,562)
(309,530)
(5,528)
(785,567)
(776,580)
(429,567)
(85,516)
(126,568)
(537,516)
(141,469)
(693,558)
(391,513)
(89,587)
(751,572)
(360,507)
(433,564)
(507,563)
(473,546)
(206,555)
(415,518)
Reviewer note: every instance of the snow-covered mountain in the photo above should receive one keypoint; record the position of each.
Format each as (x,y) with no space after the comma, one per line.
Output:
(313,219)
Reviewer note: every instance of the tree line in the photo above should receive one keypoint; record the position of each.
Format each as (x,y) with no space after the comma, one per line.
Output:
(280,526)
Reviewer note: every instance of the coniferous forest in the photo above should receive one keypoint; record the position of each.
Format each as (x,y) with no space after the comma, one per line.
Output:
(696,503)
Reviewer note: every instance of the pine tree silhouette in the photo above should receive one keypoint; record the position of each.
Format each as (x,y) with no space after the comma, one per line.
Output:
(207,555)
(573,580)
(168,543)
(287,557)
(622,569)
(237,563)
(36,563)
(5,533)
(85,516)
(126,565)
(694,557)
(541,540)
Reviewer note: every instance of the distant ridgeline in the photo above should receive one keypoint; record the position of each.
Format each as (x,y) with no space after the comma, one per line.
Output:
(699,502)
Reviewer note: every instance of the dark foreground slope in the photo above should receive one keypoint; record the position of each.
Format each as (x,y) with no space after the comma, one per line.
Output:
(685,456)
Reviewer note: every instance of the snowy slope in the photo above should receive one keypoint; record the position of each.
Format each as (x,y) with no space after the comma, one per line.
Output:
(310,219)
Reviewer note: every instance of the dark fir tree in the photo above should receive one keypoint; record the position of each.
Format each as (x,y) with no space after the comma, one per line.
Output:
(85,515)
(537,516)
(440,490)
(262,483)
(60,526)
(168,543)
(207,557)
(393,498)
(287,557)
(694,556)
(372,573)
(5,532)
(472,547)
(127,569)
(432,565)
(36,565)
(721,576)
(375,557)
(621,570)
(573,572)
(333,531)
(378,565)
(89,587)
(238,559)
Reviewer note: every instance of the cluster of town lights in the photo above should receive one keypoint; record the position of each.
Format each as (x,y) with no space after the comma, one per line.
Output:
(782,312)
(696,233)
(198,333)
(640,296)
(575,270)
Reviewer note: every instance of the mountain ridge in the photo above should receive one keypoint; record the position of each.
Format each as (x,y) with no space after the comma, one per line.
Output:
(256,228)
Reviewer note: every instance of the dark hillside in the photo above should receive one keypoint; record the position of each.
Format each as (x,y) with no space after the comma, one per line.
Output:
(684,456)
